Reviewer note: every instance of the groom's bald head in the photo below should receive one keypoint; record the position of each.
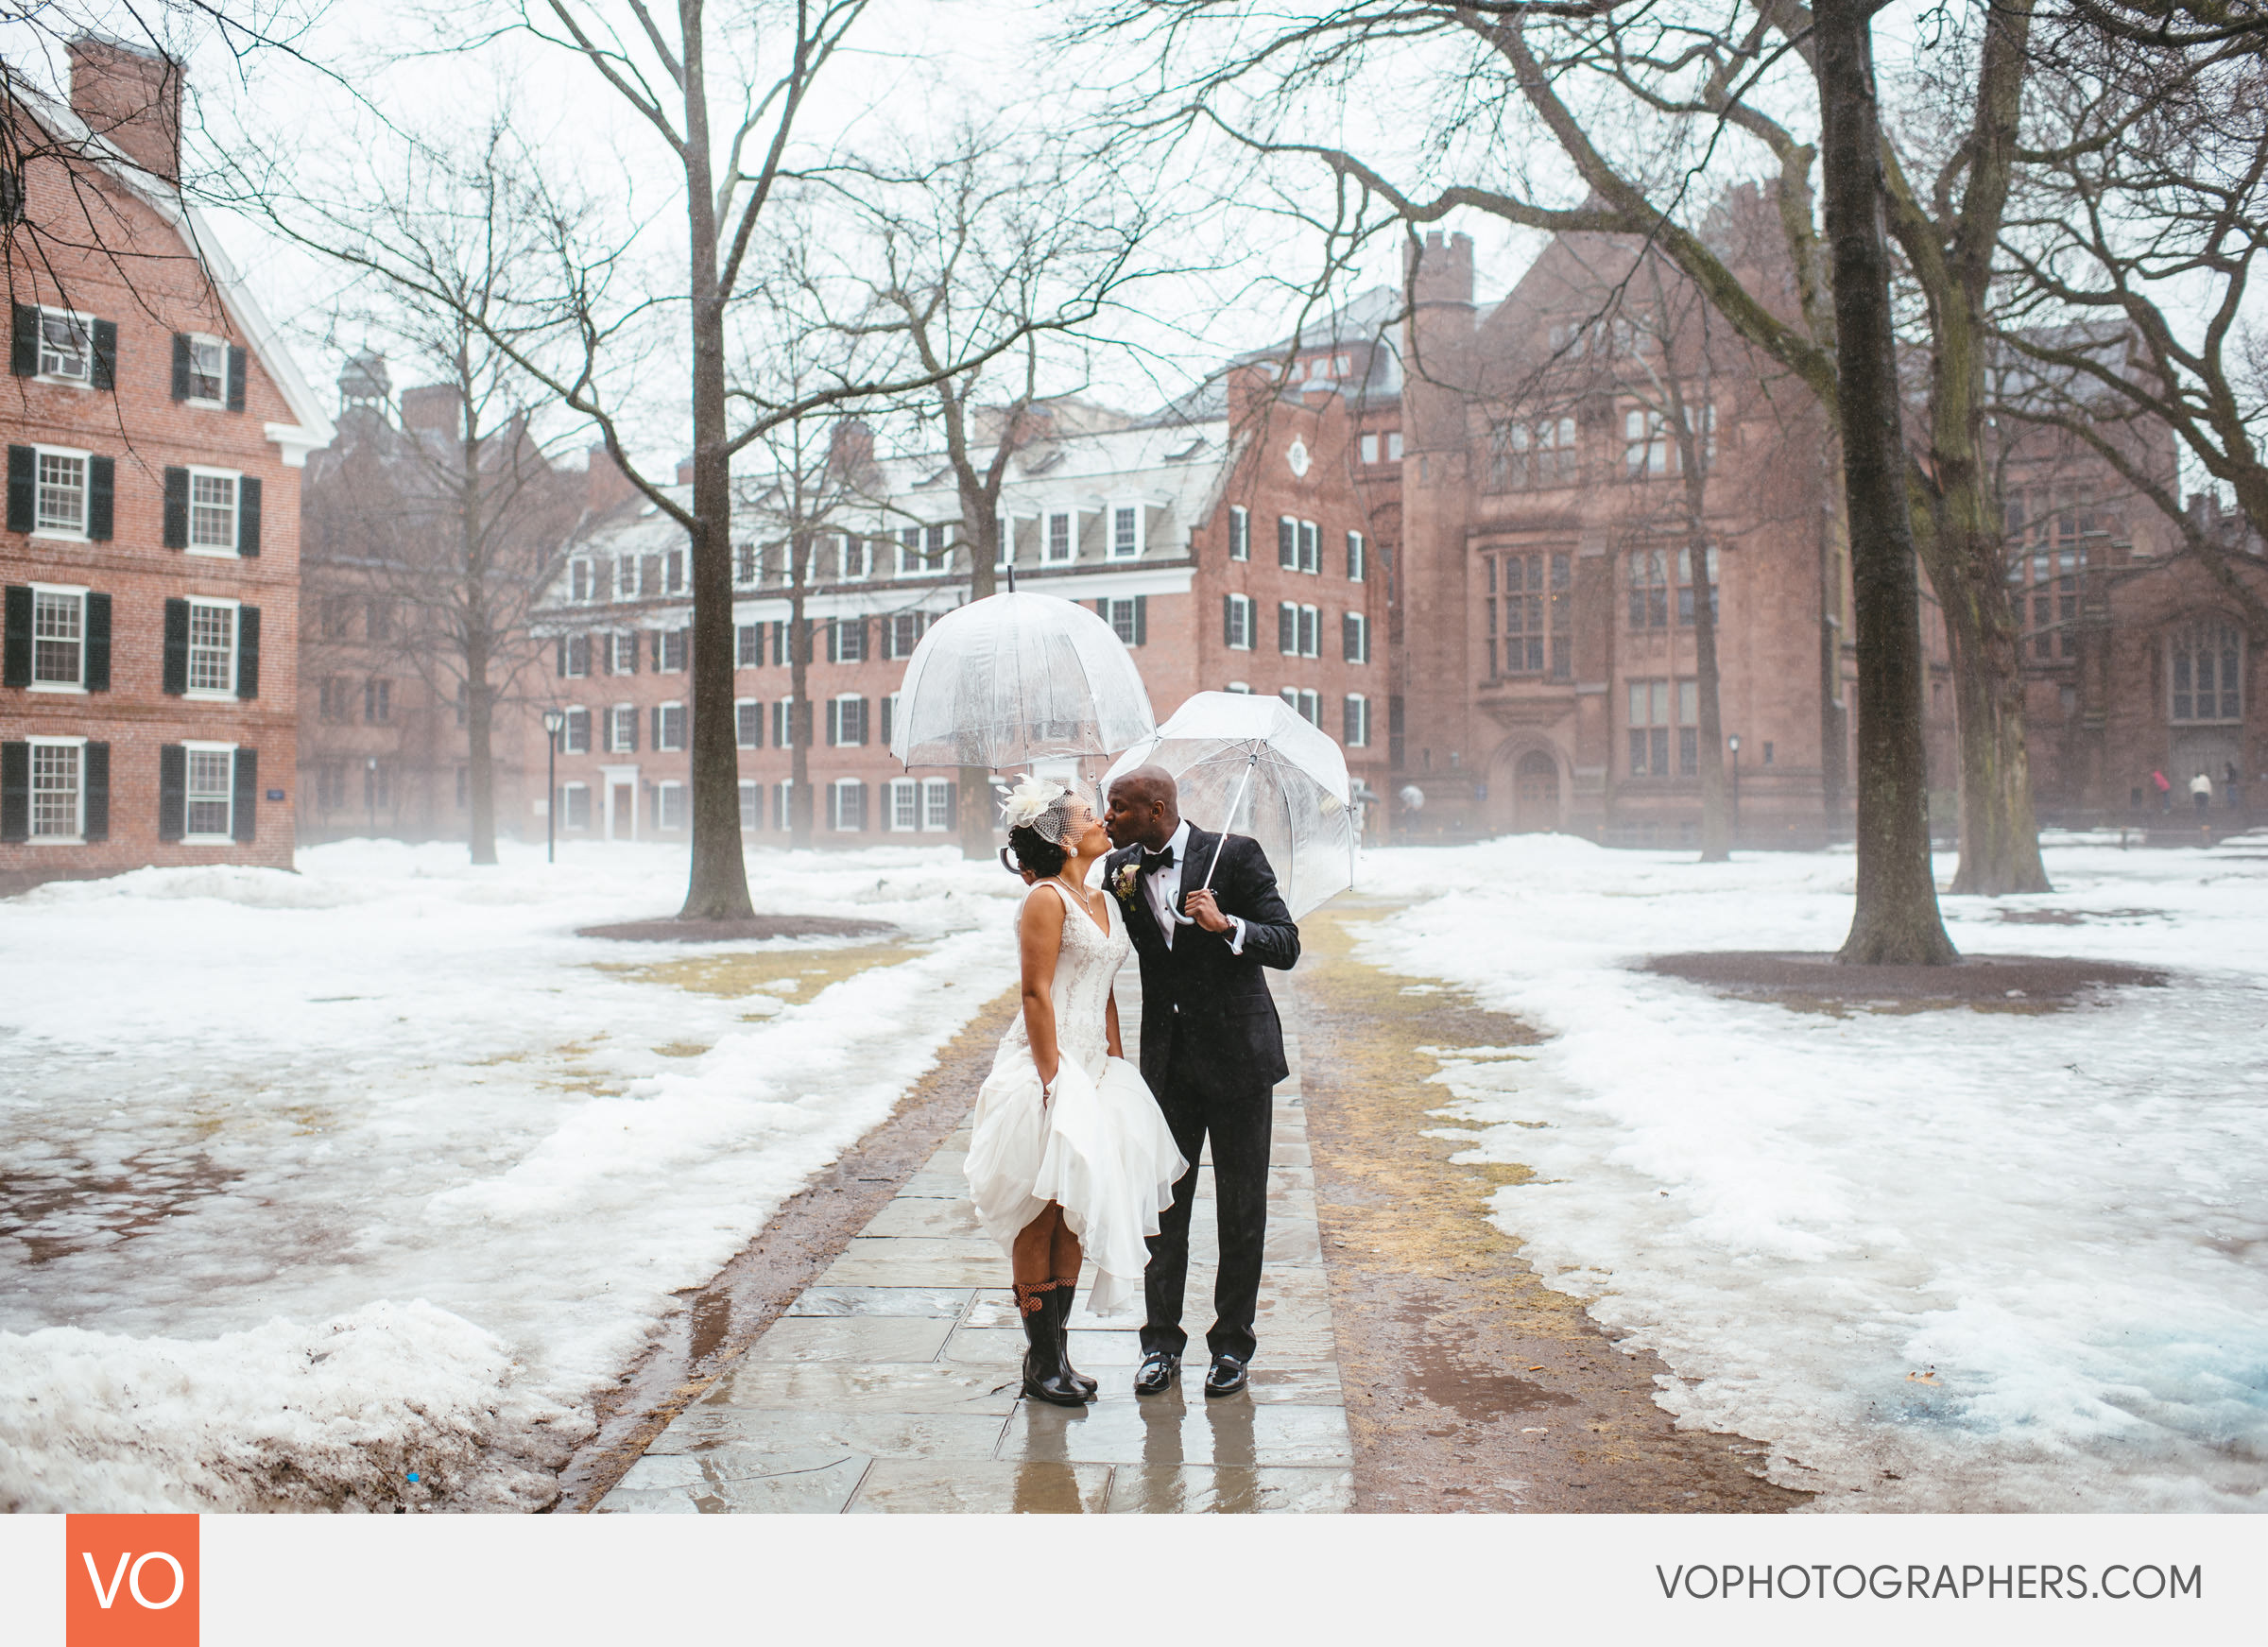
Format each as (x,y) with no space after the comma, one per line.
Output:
(1146,808)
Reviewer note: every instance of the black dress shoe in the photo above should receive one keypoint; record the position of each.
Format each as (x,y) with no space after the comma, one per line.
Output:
(1158,1369)
(1227,1377)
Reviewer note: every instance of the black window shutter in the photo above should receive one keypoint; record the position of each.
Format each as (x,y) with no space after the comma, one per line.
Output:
(102,371)
(1141,620)
(181,365)
(15,792)
(835,723)
(1346,621)
(862,722)
(656,726)
(102,492)
(236,379)
(95,794)
(177,508)
(243,810)
(634,749)
(247,651)
(248,517)
(175,669)
(173,792)
(23,356)
(633,651)
(889,705)
(1287,627)
(1227,620)
(658,658)
(560,667)
(99,642)
(15,639)
(23,487)
(1287,542)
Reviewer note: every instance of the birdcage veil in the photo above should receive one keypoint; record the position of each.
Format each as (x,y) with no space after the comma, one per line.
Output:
(1039,804)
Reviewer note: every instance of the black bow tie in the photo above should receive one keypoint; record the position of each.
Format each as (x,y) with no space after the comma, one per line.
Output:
(1152,861)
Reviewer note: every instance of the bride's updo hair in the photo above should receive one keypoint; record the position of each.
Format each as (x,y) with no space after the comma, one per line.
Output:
(1034,852)
(1037,815)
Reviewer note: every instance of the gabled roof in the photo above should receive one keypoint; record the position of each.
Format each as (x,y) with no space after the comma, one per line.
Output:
(313,428)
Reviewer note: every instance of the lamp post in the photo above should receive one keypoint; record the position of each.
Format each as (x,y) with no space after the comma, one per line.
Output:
(1733,743)
(555,721)
(370,792)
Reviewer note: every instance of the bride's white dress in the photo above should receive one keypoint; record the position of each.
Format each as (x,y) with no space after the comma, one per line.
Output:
(1099,1146)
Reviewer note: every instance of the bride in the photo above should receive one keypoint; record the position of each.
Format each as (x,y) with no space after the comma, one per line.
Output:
(1068,1155)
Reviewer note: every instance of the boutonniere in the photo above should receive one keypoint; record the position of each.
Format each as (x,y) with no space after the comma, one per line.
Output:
(1128,878)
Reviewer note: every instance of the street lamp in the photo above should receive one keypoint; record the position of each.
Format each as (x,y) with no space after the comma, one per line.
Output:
(554,722)
(370,792)
(1733,743)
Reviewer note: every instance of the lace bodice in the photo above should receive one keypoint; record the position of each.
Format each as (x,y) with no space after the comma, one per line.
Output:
(1085,970)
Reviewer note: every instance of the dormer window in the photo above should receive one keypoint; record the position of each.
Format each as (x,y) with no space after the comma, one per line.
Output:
(208,370)
(67,346)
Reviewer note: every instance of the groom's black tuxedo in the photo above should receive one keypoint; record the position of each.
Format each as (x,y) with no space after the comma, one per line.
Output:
(1211,1052)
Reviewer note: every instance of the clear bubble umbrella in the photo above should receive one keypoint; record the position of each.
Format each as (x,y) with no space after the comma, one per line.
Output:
(1251,765)
(1015,679)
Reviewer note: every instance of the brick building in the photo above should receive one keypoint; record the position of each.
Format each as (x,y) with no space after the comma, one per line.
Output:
(393,617)
(156,430)
(1223,539)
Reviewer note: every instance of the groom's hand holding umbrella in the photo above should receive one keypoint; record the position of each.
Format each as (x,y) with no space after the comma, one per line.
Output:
(1201,907)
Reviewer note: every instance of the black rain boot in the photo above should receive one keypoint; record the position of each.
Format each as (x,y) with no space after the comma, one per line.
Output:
(1070,1289)
(1044,1378)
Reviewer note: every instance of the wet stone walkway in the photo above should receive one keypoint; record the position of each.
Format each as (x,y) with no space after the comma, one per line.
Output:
(893,1382)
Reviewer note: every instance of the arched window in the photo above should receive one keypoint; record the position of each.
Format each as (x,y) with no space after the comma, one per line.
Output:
(2207,672)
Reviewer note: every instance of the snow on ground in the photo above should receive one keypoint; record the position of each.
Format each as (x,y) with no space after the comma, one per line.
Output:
(308,1181)
(1944,1260)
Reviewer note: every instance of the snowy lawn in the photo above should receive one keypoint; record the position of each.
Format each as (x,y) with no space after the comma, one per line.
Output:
(310,1181)
(1944,1259)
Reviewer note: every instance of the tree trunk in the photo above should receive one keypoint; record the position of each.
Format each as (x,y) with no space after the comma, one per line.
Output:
(1896,922)
(480,764)
(718,885)
(1834,728)
(1716,824)
(2000,836)
(799,719)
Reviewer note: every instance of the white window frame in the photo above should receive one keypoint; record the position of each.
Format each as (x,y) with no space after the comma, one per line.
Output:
(850,627)
(783,723)
(1362,631)
(1358,558)
(235,479)
(1005,555)
(1069,522)
(228,693)
(911,561)
(85,324)
(1240,532)
(1310,707)
(625,576)
(1310,548)
(1243,688)
(1393,445)
(1247,620)
(59,591)
(937,805)
(578,579)
(1360,703)
(852,566)
(567,730)
(619,641)
(568,795)
(1307,631)
(835,791)
(77,837)
(740,704)
(669,797)
(673,571)
(902,806)
(220,399)
(1370,447)
(192,749)
(616,744)
(1140,522)
(39,528)
(662,744)
(834,721)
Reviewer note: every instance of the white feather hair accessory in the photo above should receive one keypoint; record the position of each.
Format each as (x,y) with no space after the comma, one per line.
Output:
(1039,804)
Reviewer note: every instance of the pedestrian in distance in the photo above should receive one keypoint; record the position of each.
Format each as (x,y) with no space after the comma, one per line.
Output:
(1070,1160)
(1205,916)
(2165,789)
(2201,792)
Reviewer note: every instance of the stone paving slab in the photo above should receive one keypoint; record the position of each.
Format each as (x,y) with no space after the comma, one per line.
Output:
(893,1384)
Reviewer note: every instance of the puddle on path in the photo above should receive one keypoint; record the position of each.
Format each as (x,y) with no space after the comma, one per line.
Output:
(56,1214)
(786,974)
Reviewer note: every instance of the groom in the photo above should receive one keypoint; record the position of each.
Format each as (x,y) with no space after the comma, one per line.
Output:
(1212,1050)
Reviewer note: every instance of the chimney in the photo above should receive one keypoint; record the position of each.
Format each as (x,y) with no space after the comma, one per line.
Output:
(605,485)
(131,97)
(435,406)
(851,447)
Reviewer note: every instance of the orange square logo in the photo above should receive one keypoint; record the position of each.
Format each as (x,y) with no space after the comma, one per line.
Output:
(129,1581)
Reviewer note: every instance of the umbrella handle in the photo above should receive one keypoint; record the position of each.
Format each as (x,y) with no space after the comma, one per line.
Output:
(1242,785)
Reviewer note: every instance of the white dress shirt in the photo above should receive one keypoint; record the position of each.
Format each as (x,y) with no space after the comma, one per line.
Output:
(1164,891)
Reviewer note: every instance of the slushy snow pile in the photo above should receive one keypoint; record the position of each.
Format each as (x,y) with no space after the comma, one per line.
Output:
(309,1182)
(1937,1260)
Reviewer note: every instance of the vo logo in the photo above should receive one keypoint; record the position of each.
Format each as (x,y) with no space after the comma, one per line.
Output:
(130,1581)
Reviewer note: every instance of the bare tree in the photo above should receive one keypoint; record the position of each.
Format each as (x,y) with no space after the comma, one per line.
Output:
(2142,217)
(1587,74)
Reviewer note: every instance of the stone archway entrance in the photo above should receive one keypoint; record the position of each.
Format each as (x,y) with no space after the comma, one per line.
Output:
(1535,794)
